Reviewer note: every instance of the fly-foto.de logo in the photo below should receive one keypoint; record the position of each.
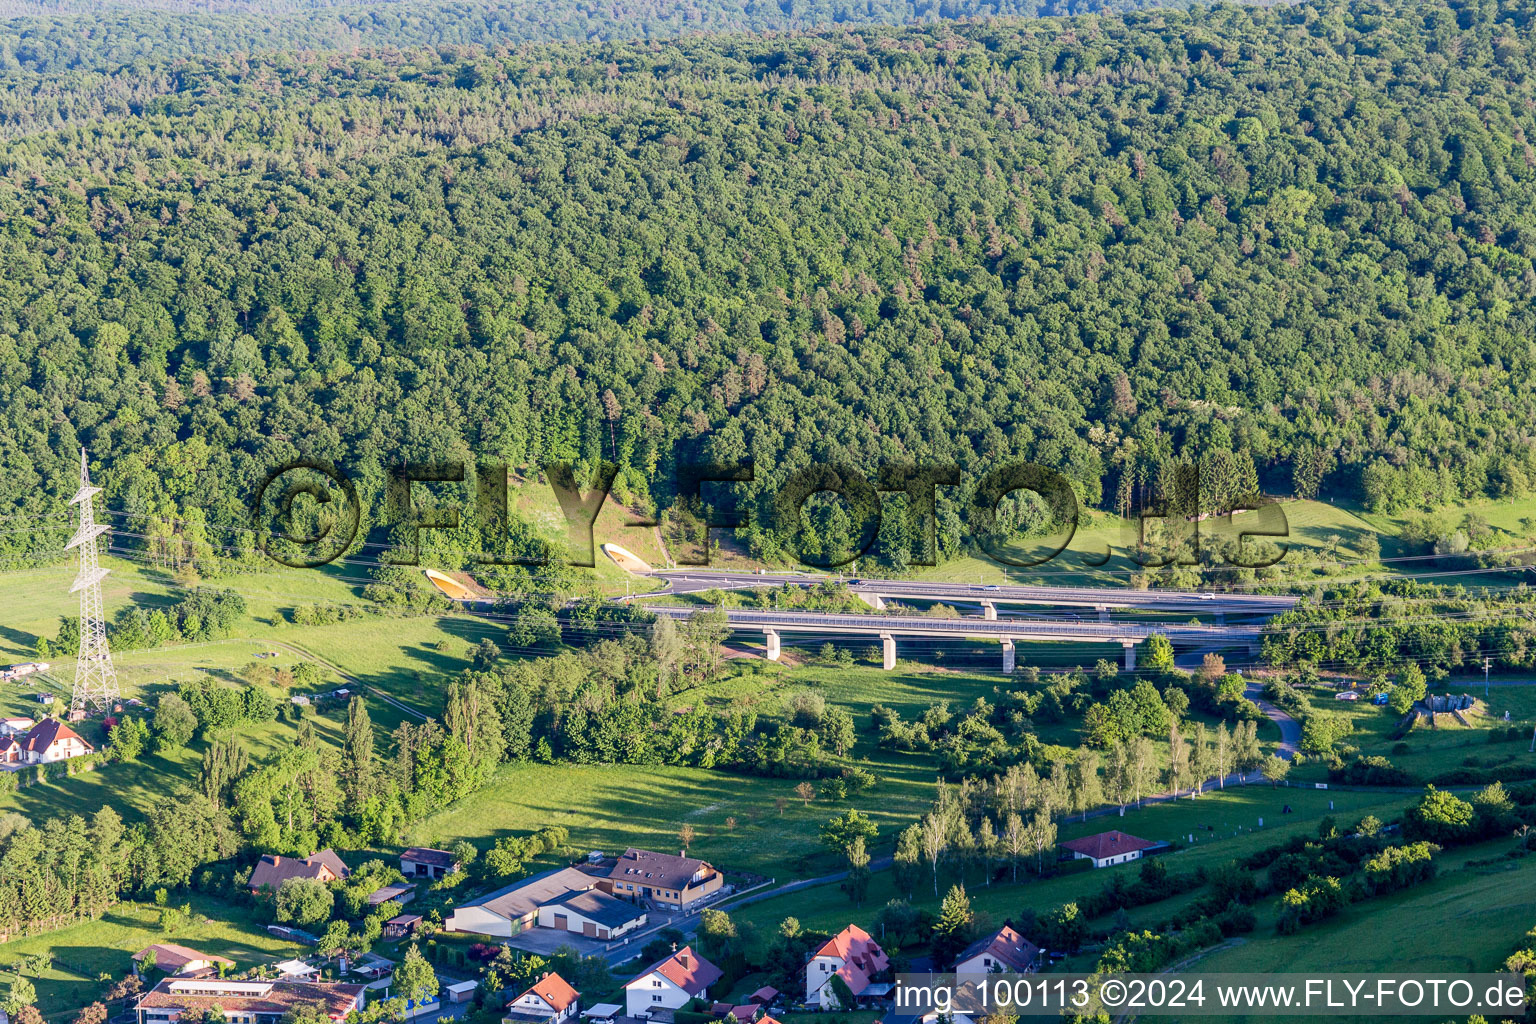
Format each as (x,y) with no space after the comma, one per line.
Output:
(317,531)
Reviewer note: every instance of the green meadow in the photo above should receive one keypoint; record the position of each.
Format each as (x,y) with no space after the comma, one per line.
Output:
(1225,824)
(1468,919)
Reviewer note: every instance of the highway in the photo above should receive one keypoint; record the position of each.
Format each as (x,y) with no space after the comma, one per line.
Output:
(973,628)
(1007,631)
(1101,599)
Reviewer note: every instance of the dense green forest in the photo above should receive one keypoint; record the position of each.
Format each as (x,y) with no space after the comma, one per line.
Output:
(53,36)
(1110,245)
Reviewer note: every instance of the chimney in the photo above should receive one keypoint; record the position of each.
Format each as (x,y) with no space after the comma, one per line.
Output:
(682,853)
(686,960)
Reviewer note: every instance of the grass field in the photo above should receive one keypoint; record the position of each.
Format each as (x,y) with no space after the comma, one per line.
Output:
(1232,814)
(410,659)
(84,951)
(1448,745)
(1466,920)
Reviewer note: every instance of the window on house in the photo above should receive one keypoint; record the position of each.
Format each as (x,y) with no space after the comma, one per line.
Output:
(655,999)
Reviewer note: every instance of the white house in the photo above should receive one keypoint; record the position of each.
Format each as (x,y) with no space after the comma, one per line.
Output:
(48,741)
(1004,951)
(670,983)
(852,956)
(1108,848)
(550,1000)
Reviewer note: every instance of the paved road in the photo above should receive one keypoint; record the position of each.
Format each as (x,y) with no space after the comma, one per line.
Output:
(1002,629)
(1290,729)
(688,581)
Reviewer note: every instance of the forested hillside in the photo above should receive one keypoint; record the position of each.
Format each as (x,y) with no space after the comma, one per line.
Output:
(1304,235)
(60,35)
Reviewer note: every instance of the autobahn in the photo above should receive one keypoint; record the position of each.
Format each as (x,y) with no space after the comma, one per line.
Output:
(1007,631)
(1101,599)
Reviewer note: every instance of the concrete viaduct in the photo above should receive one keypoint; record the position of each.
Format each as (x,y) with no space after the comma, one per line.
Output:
(1007,631)
(1101,600)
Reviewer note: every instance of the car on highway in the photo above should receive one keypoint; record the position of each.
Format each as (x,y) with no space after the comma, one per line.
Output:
(991,588)
(1207,597)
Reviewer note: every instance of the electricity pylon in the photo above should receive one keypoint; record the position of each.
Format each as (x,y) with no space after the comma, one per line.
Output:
(95,678)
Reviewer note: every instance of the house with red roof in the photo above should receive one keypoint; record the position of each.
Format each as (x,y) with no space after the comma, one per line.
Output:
(550,1000)
(1108,848)
(46,742)
(855,958)
(670,983)
(1005,951)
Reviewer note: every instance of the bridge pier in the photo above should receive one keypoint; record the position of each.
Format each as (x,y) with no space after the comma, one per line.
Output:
(1103,612)
(989,611)
(1130,654)
(1221,617)
(875,601)
(1008,658)
(888,648)
(771,637)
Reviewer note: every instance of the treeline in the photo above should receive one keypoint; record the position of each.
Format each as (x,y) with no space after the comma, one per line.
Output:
(70,868)
(973,243)
(1380,625)
(205,614)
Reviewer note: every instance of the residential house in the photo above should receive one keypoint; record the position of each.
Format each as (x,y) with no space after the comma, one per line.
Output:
(272,870)
(670,983)
(245,1002)
(1108,848)
(48,741)
(16,726)
(855,958)
(1003,952)
(592,913)
(550,1000)
(512,910)
(423,862)
(174,959)
(674,882)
